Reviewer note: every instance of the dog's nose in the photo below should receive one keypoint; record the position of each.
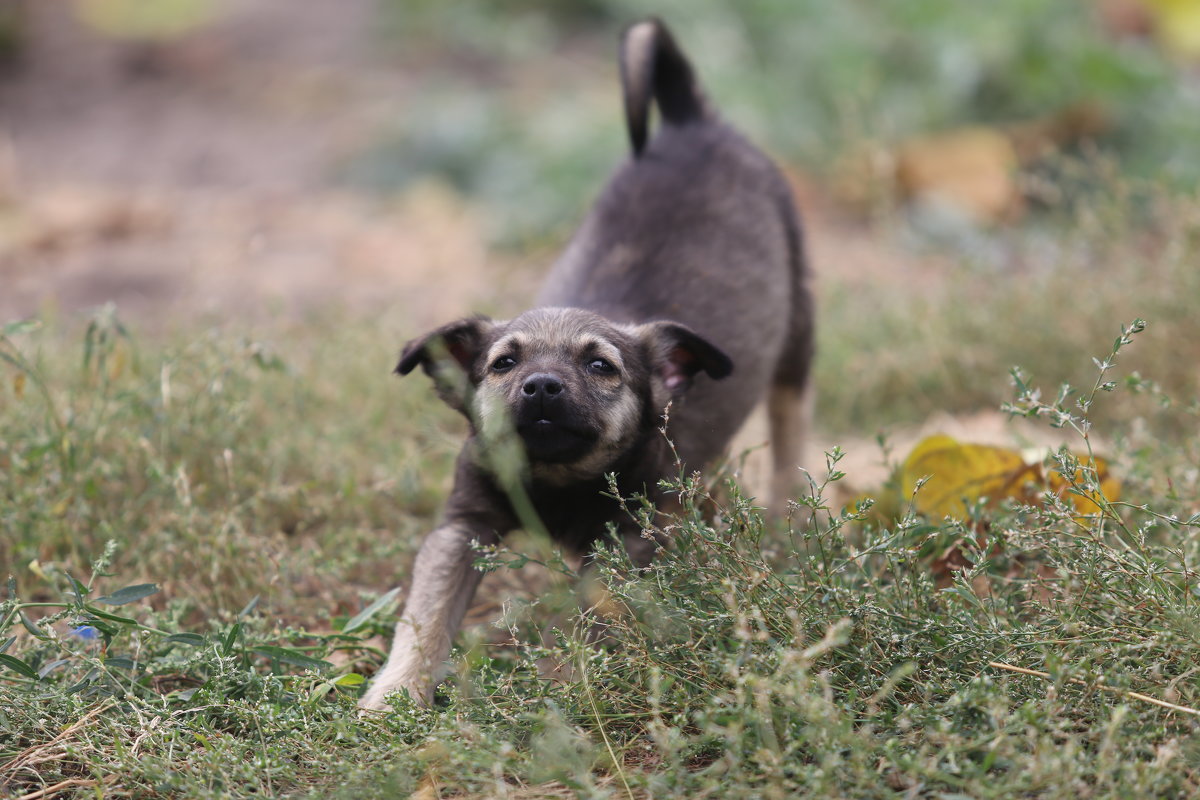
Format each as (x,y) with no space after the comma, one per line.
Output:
(542,384)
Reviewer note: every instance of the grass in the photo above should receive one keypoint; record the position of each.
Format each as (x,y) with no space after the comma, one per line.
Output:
(200,535)
(1038,296)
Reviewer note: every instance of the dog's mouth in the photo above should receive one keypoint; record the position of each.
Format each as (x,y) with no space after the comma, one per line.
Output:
(555,441)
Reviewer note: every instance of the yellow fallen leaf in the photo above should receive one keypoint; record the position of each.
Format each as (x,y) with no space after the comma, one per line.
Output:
(1177,24)
(957,474)
(139,19)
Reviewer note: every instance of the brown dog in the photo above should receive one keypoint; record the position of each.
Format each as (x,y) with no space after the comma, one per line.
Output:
(690,268)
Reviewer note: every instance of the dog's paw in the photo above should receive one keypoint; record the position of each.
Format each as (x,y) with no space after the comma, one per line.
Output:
(369,703)
(386,696)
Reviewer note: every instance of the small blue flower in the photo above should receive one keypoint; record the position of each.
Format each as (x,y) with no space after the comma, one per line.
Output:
(85,632)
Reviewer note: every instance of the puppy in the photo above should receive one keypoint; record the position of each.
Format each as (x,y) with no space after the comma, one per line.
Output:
(686,286)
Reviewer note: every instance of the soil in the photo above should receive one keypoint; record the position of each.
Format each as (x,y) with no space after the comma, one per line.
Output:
(196,178)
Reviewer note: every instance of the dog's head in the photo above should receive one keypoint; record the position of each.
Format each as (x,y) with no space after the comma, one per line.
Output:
(578,389)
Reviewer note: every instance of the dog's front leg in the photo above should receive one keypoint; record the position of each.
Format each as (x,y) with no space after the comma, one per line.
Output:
(444,581)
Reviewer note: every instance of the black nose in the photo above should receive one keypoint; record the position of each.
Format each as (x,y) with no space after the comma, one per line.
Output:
(542,384)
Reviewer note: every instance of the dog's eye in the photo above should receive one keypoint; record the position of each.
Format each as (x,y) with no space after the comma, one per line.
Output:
(598,366)
(503,364)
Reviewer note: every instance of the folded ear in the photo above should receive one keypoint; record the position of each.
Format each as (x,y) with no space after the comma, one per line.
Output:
(447,355)
(460,340)
(678,353)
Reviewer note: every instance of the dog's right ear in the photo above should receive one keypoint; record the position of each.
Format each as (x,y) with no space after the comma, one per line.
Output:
(447,355)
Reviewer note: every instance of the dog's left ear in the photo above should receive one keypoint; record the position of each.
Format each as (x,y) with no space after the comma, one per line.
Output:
(440,351)
(679,353)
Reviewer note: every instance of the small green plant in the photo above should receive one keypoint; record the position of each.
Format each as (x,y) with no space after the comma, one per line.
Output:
(102,653)
(91,661)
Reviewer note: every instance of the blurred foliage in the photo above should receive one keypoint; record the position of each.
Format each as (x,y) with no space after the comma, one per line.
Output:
(12,32)
(133,19)
(532,170)
(811,81)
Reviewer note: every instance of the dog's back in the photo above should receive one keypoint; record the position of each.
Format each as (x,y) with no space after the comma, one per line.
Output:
(697,227)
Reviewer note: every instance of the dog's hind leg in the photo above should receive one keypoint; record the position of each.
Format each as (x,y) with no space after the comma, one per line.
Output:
(789,411)
(791,398)
(444,581)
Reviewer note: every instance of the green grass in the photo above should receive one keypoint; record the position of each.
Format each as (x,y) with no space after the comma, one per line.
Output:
(272,488)
(894,348)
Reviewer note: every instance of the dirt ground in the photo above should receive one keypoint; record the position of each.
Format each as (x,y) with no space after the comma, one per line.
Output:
(195,181)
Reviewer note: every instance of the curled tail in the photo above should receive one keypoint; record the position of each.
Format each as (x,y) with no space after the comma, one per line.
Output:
(652,65)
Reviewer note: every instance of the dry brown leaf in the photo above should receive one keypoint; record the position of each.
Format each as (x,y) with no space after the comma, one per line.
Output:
(74,215)
(970,169)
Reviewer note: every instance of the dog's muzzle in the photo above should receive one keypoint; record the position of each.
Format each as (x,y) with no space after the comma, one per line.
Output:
(549,423)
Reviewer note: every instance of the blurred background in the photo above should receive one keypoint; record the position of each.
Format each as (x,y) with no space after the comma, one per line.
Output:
(410,160)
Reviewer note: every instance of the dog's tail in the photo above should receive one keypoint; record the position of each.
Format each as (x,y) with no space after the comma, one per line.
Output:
(652,65)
